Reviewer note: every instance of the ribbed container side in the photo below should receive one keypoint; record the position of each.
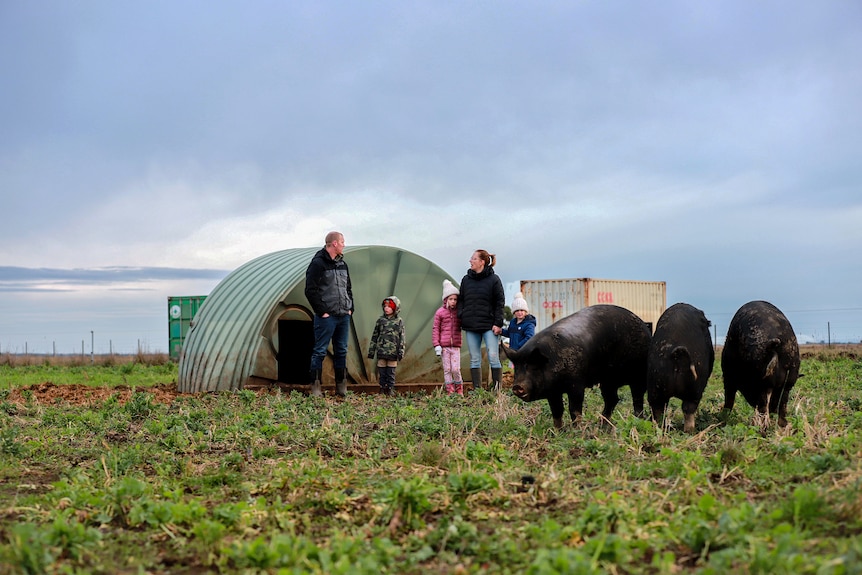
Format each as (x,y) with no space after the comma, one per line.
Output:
(181,313)
(646,299)
(553,299)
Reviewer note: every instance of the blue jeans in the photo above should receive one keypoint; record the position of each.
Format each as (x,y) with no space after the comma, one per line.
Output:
(335,328)
(492,344)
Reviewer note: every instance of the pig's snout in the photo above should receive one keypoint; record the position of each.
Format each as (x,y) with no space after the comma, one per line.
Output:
(520,391)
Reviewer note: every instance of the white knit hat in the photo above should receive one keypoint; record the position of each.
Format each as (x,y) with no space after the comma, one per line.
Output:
(448,289)
(519,303)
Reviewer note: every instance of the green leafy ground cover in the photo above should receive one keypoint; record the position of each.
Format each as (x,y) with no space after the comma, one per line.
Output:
(102,375)
(274,483)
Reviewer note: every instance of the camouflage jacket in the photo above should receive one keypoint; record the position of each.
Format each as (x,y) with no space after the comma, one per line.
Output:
(387,341)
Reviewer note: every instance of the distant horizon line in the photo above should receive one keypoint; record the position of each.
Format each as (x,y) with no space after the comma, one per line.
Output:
(157,352)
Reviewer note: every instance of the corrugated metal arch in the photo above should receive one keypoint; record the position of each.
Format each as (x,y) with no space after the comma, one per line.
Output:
(235,336)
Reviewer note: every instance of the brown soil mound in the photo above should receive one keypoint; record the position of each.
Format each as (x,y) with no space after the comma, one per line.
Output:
(49,393)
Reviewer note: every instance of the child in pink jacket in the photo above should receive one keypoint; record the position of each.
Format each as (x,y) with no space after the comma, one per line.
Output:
(446,339)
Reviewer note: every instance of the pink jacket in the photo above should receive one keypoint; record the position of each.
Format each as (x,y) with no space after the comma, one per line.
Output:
(446,331)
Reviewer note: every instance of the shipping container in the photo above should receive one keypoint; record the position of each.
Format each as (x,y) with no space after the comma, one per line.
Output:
(181,313)
(550,300)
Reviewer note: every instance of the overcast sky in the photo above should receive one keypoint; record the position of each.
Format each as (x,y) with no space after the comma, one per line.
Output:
(147,149)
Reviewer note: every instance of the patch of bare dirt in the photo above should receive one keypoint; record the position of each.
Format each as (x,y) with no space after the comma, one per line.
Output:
(48,393)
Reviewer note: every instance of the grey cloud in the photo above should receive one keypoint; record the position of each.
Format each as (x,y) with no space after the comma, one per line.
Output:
(21,279)
(723,133)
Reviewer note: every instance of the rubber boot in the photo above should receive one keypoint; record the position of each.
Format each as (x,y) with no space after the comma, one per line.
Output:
(387,380)
(381,379)
(497,377)
(316,391)
(391,380)
(459,387)
(450,389)
(341,381)
(476,377)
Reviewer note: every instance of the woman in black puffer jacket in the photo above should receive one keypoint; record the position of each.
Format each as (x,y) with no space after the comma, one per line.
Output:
(480,308)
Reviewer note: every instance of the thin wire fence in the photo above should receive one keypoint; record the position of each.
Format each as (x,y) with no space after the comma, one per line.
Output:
(90,345)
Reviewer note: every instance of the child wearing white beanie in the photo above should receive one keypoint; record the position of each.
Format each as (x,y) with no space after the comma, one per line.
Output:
(523,324)
(519,303)
(446,339)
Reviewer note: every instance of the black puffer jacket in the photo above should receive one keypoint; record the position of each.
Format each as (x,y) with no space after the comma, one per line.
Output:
(327,285)
(480,304)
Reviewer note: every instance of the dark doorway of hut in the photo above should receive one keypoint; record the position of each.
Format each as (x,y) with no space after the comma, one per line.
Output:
(295,342)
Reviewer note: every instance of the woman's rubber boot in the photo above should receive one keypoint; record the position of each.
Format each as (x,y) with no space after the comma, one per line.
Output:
(316,391)
(341,381)
(497,377)
(476,377)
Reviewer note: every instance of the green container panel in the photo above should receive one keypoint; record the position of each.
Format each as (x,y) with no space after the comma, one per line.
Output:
(181,312)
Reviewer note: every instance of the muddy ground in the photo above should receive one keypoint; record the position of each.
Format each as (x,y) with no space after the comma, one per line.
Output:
(48,393)
(51,394)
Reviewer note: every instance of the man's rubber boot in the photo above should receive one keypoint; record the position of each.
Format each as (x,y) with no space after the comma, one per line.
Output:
(316,391)
(341,381)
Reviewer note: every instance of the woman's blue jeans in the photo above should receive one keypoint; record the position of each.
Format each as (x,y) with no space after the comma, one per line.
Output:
(335,328)
(492,344)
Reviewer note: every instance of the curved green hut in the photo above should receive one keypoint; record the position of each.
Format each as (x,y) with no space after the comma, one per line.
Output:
(255,328)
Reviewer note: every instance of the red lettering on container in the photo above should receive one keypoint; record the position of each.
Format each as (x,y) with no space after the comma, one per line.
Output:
(552,304)
(605,297)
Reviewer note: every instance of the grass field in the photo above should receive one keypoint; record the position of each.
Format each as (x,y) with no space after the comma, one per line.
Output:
(105,469)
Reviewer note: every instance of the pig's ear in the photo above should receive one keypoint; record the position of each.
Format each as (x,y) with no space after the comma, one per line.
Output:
(537,357)
(510,353)
(681,359)
(680,352)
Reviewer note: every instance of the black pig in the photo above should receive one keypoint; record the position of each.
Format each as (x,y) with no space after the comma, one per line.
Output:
(603,345)
(680,361)
(760,359)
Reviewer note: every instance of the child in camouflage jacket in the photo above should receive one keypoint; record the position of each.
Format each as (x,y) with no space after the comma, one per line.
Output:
(387,343)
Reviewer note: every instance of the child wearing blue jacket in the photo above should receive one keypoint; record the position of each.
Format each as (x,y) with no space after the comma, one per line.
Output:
(523,325)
